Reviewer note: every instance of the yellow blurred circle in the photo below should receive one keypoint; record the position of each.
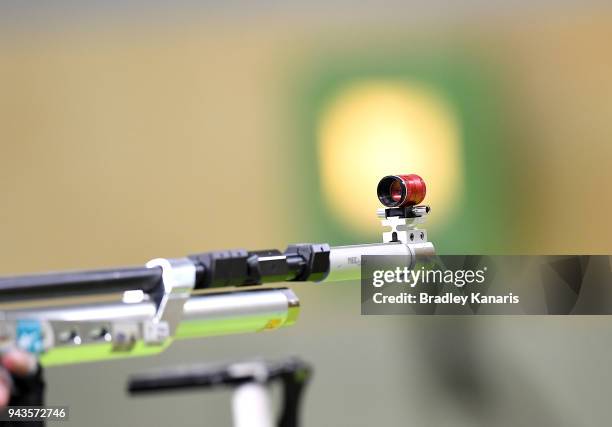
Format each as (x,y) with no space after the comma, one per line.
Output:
(377,128)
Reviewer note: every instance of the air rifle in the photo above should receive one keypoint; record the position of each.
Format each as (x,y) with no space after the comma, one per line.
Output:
(72,317)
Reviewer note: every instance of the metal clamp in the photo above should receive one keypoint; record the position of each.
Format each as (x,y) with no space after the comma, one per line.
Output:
(178,280)
(404,230)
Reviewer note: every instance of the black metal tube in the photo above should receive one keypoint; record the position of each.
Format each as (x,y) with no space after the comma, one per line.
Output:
(206,376)
(65,284)
(79,282)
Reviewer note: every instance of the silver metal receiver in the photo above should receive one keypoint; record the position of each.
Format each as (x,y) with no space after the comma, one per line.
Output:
(79,330)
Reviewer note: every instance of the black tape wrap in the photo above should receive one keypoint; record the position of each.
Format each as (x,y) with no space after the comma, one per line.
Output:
(223,268)
(238,267)
(316,256)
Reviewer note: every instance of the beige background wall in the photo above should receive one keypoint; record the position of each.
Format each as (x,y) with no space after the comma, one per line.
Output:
(123,135)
